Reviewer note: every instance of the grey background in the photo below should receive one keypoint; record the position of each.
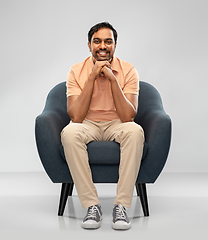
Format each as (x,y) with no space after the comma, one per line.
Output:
(165,40)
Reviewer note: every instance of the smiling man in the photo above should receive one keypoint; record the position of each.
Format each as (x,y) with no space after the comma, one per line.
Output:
(102,100)
(102,45)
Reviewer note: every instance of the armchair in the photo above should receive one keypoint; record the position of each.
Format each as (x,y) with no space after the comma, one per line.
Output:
(104,156)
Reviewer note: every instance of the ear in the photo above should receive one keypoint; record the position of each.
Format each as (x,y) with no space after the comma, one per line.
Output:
(89,46)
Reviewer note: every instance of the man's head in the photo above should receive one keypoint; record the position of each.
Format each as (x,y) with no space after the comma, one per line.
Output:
(99,26)
(102,39)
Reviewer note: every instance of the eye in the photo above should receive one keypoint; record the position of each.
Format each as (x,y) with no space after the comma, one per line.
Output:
(109,42)
(96,41)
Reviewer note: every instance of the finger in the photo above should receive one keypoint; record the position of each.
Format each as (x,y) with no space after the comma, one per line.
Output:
(105,70)
(108,64)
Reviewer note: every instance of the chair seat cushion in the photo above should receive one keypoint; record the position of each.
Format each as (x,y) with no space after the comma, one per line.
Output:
(104,152)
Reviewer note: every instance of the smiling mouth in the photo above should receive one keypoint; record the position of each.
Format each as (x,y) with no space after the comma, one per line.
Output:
(102,53)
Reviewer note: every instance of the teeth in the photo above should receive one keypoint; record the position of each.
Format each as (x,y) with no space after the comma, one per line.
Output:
(102,53)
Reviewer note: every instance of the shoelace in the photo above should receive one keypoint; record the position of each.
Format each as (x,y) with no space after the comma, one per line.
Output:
(92,212)
(120,212)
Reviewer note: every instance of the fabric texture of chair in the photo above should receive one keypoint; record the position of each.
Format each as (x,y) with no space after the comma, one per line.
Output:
(104,157)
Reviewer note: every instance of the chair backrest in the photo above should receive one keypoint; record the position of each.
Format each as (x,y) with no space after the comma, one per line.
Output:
(56,101)
(149,100)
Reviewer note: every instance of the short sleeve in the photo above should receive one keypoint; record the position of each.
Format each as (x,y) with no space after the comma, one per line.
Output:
(131,82)
(72,86)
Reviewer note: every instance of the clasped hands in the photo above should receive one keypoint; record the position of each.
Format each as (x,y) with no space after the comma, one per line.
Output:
(103,68)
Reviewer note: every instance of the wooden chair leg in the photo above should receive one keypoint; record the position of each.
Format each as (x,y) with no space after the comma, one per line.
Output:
(142,193)
(66,190)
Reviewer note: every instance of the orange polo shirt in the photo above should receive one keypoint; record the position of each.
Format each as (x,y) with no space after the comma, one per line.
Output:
(102,106)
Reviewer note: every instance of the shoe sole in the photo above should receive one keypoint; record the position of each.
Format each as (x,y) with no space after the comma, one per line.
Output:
(121,225)
(91,224)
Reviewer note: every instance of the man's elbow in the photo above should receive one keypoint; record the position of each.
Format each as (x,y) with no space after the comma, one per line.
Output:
(75,119)
(127,119)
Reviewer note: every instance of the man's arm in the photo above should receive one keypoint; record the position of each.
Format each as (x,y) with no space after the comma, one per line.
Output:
(126,104)
(78,106)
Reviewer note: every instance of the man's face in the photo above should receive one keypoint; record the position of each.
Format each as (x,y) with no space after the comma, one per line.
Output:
(102,45)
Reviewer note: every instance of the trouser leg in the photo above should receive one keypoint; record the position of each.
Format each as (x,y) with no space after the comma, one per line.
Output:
(131,138)
(74,138)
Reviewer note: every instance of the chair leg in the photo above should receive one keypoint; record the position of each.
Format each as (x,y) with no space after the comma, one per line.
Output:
(66,190)
(142,192)
(71,188)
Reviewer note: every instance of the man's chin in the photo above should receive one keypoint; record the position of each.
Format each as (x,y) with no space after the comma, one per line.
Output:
(103,59)
(107,58)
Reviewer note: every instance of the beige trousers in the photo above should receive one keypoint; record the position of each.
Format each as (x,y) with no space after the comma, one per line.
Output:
(74,138)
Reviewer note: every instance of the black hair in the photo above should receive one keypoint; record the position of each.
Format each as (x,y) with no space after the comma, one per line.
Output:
(98,26)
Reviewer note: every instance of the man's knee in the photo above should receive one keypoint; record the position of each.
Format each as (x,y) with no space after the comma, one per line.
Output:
(71,132)
(134,130)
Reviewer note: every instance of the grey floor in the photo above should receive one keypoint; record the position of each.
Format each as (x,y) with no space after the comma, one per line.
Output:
(178,204)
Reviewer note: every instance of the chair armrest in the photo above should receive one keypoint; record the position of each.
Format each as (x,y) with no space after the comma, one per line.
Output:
(157,128)
(51,122)
(155,125)
(48,126)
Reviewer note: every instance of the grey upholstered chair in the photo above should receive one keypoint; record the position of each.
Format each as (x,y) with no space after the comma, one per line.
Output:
(104,156)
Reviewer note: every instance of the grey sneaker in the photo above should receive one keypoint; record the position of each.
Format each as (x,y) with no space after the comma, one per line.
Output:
(120,218)
(93,217)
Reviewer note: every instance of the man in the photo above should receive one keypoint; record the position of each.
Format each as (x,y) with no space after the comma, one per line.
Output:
(102,101)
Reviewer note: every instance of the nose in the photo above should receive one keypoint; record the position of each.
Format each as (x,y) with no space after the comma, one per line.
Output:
(102,45)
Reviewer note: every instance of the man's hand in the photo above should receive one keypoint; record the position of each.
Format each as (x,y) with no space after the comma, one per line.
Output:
(108,73)
(98,68)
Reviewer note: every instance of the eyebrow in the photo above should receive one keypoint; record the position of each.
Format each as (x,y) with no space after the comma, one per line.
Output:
(101,39)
